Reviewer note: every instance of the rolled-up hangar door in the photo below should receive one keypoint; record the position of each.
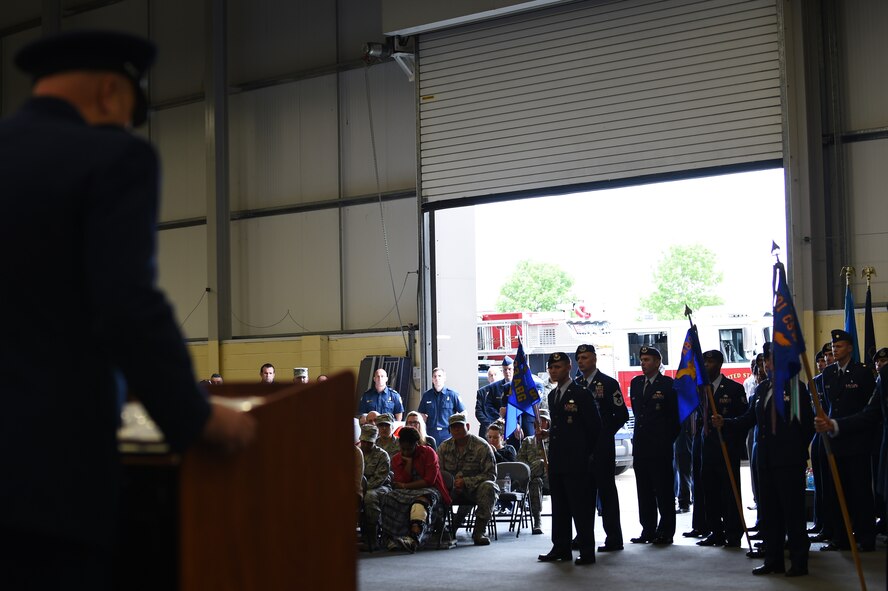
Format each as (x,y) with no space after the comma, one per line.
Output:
(594,92)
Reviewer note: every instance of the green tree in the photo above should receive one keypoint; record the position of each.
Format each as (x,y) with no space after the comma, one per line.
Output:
(535,287)
(685,275)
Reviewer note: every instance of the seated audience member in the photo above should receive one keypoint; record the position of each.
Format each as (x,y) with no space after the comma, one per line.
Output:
(531,453)
(502,451)
(418,495)
(371,417)
(300,375)
(359,464)
(470,460)
(386,439)
(322,378)
(414,419)
(376,470)
(215,379)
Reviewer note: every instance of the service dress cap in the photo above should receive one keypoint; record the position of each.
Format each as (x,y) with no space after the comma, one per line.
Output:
(650,351)
(101,51)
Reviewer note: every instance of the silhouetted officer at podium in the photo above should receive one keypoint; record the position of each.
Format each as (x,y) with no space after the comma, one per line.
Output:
(77,251)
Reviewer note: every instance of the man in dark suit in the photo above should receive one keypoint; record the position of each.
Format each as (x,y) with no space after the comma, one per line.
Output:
(77,249)
(614,414)
(722,516)
(782,448)
(573,433)
(655,404)
(848,386)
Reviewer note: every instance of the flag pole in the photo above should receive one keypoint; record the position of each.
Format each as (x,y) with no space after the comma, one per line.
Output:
(833,467)
(724,446)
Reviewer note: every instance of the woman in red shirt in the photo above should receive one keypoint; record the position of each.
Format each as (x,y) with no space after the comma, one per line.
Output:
(418,494)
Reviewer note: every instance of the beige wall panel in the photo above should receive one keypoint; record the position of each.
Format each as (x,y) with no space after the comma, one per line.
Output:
(284,274)
(865,23)
(867,179)
(283,147)
(367,289)
(268,38)
(182,275)
(178,28)
(394,126)
(179,136)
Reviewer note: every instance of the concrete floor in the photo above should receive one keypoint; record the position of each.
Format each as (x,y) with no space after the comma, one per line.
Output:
(511,562)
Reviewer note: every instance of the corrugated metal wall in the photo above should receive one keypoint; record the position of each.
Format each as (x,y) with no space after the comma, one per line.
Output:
(595,91)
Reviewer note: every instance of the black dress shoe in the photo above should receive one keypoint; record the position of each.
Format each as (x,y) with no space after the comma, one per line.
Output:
(695,534)
(642,539)
(661,541)
(607,548)
(712,541)
(767,569)
(553,556)
(584,560)
(797,571)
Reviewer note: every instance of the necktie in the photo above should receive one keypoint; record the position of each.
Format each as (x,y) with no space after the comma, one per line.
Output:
(647,388)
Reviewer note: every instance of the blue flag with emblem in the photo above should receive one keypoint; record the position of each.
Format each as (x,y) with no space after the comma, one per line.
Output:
(689,375)
(524,395)
(851,322)
(788,345)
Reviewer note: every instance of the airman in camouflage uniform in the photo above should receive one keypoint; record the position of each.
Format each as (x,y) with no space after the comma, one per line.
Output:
(386,440)
(470,460)
(377,465)
(531,453)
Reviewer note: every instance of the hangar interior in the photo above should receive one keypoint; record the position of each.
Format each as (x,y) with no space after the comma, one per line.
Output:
(304,185)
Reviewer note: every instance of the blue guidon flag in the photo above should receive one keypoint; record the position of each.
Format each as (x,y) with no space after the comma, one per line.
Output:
(689,375)
(788,344)
(851,321)
(524,395)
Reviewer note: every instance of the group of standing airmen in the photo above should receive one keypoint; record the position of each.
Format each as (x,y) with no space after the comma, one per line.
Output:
(584,412)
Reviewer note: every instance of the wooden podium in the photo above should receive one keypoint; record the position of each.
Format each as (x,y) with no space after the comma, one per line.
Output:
(279,515)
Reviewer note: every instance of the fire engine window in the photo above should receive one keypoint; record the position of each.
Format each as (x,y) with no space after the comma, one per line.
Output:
(637,340)
(731,343)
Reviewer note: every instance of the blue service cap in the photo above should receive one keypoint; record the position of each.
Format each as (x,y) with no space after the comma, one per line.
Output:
(103,51)
(507,361)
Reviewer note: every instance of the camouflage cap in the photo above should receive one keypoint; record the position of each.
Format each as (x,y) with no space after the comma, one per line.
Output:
(300,372)
(457,418)
(369,433)
(544,414)
(385,419)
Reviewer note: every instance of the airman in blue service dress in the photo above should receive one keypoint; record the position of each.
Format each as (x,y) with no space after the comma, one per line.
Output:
(605,390)
(655,404)
(782,448)
(722,516)
(573,434)
(848,386)
(489,399)
(77,249)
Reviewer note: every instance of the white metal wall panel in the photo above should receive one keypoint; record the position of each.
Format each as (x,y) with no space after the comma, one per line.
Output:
(283,274)
(283,146)
(594,91)
(268,38)
(368,300)
(182,276)
(862,56)
(179,29)
(869,240)
(178,135)
(393,99)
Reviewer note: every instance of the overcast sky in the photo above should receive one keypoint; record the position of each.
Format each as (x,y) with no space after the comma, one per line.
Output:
(610,241)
